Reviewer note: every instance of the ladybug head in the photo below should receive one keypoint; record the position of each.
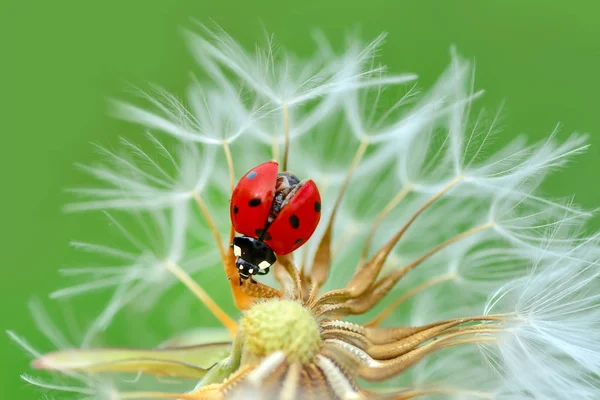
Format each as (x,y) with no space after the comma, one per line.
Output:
(253,256)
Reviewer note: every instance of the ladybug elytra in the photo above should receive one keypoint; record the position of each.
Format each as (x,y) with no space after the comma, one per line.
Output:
(275,212)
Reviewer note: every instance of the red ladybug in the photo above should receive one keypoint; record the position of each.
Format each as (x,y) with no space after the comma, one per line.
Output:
(276,213)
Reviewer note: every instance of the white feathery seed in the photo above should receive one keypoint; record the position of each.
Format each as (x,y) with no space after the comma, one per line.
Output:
(135,179)
(140,276)
(550,347)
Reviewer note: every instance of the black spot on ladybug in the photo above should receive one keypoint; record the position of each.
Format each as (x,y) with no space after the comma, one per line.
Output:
(251,175)
(235,209)
(294,221)
(263,235)
(254,202)
(298,241)
(317,206)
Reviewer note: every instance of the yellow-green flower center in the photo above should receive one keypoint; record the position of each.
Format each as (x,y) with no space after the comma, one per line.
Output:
(280,325)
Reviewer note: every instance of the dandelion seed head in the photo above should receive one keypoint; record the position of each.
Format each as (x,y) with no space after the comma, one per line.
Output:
(420,222)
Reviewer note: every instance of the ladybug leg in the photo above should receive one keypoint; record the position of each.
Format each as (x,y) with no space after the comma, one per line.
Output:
(263,271)
(241,281)
(253,281)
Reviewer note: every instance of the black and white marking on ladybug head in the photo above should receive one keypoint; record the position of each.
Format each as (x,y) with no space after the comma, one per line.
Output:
(254,257)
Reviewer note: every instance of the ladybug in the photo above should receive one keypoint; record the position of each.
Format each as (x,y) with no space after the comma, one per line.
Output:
(275,212)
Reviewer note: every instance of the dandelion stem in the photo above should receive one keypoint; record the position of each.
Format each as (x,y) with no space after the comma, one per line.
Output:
(407,295)
(195,288)
(212,226)
(286,130)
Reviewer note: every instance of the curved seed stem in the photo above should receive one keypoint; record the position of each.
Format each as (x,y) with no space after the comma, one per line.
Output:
(406,394)
(241,299)
(389,335)
(378,370)
(286,130)
(229,164)
(312,294)
(287,262)
(322,260)
(469,232)
(275,150)
(211,224)
(371,297)
(401,195)
(367,272)
(153,395)
(231,180)
(407,295)
(195,288)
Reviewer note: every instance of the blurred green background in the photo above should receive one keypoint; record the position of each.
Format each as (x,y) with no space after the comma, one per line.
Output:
(60,60)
